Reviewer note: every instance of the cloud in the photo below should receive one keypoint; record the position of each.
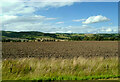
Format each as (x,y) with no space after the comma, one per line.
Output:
(13,7)
(30,23)
(29,7)
(78,29)
(51,18)
(20,16)
(16,7)
(85,26)
(22,26)
(63,0)
(111,29)
(98,0)
(29,26)
(95,19)
(6,19)
(36,23)
(59,22)
(91,29)
(26,10)
(78,20)
(62,31)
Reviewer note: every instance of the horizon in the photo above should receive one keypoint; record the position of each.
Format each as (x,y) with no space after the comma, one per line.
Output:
(58,33)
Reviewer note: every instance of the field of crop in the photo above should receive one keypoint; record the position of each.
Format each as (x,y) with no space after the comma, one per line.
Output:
(73,60)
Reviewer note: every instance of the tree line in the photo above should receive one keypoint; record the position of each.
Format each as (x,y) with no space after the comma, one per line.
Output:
(93,38)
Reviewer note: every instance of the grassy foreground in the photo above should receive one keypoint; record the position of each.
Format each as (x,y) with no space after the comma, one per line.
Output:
(60,69)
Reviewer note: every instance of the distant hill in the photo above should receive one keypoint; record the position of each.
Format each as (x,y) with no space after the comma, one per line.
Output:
(33,35)
(26,35)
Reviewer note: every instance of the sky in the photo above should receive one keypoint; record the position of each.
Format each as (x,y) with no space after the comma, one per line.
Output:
(60,17)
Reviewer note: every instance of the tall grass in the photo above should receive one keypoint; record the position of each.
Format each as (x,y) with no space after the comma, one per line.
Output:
(65,69)
(0,69)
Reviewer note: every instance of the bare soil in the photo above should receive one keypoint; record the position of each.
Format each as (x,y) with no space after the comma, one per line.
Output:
(59,49)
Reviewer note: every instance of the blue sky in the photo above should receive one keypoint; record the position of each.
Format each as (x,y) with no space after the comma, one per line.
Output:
(61,17)
(83,10)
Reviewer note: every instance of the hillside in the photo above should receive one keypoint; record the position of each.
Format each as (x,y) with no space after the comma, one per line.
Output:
(33,35)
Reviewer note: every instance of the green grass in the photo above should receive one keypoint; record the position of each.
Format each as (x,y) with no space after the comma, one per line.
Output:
(60,69)
(78,78)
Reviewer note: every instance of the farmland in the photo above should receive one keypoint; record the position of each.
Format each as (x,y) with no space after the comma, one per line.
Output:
(28,36)
(70,60)
(60,49)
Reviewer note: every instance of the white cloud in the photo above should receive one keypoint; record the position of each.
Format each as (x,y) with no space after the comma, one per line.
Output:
(26,10)
(30,23)
(109,30)
(36,23)
(13,7)
(91,29)
(65,0)
(62,31)
(18,7)
(99,0)
(59,22)
(28,26)
(85,26)
(78,20)
(51,18)
(78,29)
(69,31)
(13,19)
(95,19)
(112,29)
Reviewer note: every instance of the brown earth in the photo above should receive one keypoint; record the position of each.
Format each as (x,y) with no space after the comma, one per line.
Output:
(60,49)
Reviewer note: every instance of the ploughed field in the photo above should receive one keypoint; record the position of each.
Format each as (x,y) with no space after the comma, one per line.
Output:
(69,49)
